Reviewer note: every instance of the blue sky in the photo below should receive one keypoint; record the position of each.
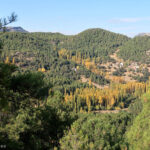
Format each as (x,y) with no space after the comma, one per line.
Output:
(128,17)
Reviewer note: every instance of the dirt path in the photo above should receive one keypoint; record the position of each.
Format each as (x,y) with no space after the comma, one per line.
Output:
(115,57)
(86,80)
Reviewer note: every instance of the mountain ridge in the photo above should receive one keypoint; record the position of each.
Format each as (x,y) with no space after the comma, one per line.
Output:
(21,29)
(143,34)
(15,29)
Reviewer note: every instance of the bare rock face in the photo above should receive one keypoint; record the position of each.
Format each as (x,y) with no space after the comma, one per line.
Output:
(15,29)
(143,34)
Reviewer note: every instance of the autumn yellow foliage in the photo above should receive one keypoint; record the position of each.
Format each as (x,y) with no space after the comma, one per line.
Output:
(106,97)
(42,69)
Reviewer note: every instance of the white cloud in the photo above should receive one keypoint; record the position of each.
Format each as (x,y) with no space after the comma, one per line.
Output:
(129,20)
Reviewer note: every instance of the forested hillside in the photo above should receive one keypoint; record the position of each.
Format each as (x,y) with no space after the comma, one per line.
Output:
(54,53)
(55,91)
(91,43)
(95,43)
(136,49)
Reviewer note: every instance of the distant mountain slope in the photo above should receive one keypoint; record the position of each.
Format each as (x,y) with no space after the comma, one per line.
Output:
(90,43)
(15,29)
(143,34)
(24,41)
(136,49)
(93,41)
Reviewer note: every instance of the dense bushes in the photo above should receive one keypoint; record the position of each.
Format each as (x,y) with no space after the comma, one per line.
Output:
(119,72)
(30,120)
(101,131)
(26,125)
(138,135)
